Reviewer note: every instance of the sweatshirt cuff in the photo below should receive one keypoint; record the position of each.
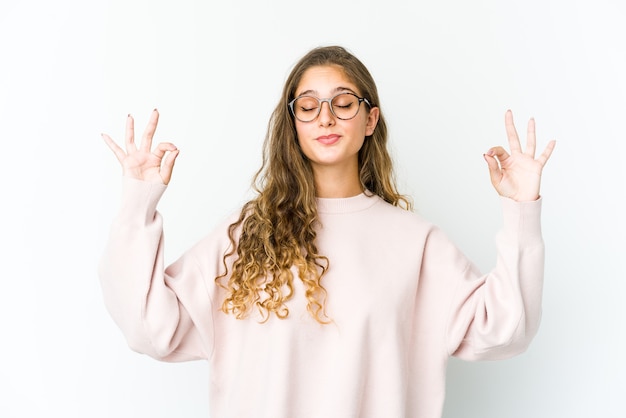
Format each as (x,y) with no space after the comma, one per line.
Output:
(139,200)
(522,219)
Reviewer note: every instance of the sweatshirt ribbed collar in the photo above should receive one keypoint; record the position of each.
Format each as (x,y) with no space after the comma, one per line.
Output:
(346,204)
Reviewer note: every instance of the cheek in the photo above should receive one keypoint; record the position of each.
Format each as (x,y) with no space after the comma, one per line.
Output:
(300,131)
(363,131)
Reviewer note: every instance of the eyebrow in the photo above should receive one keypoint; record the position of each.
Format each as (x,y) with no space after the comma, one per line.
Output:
(335,90)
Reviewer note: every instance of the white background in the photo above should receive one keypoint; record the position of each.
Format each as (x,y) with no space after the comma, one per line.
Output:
(446,70)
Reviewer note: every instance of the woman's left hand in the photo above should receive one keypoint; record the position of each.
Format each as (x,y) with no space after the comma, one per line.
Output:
(518,175)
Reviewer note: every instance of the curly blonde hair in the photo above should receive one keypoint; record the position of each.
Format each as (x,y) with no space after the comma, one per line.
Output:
(276,231)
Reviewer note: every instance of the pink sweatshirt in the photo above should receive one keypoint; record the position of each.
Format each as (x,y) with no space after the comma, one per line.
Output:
(402,299)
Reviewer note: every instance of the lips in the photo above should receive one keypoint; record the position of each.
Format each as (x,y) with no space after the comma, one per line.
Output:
(328,139)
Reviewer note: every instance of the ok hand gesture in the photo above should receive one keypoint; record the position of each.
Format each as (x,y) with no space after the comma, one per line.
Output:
(517,175)
(143,163)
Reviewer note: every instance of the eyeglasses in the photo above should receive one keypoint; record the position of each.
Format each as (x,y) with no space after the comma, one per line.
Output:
(343,106)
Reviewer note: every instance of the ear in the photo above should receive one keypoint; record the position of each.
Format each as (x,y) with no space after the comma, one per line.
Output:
(372,121)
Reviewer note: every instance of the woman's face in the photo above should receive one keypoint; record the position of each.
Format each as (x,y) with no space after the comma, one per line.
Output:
(328,141)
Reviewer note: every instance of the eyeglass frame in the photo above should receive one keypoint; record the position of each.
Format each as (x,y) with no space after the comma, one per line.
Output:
(330,105)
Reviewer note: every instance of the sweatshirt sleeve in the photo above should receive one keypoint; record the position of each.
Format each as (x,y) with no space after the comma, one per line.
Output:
(164,313)
(495,316)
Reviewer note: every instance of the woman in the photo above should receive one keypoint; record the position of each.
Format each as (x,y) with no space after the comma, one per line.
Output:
(325,296)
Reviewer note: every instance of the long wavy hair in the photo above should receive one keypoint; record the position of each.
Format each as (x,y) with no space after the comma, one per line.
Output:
(276,231)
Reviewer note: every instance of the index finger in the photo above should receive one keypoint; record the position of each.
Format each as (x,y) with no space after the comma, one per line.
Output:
(148,133)
(511,133)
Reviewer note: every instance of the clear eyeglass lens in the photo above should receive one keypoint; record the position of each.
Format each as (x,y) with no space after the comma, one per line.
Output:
(344,106)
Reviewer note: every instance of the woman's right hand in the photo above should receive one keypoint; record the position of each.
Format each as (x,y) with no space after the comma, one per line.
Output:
(143,163)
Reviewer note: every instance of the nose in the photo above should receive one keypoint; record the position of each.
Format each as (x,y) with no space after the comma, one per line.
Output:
(326,117)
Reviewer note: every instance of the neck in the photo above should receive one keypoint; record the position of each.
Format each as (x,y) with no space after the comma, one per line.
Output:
(334,182)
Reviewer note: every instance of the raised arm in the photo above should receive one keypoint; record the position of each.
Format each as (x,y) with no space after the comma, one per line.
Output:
(152,305)
(497,315)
